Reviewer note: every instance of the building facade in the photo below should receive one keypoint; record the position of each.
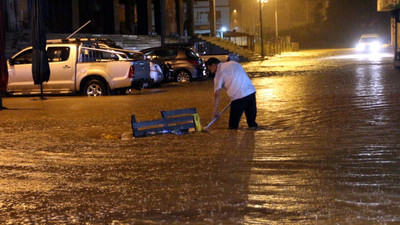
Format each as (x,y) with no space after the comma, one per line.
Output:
(202,16)
(393,6)
(286,14)
(107,16)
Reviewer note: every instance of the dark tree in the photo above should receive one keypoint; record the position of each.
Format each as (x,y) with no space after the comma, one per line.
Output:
(347,20)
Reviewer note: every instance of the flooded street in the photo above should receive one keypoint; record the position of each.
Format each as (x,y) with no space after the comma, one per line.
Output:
(327,151)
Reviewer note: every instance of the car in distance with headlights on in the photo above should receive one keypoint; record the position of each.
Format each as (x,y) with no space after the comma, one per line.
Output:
(369,43)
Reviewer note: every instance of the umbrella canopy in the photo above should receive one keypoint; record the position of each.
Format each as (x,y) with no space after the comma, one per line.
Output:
(3,63)
(40,63)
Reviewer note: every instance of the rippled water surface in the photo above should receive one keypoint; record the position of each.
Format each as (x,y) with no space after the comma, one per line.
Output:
(327,152)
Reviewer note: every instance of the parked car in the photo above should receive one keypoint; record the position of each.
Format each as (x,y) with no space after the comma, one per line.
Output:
(142,66)
(186,64)
(76,68)
(159,71)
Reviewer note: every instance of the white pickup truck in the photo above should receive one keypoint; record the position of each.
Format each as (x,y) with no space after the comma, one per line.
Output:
(75,68)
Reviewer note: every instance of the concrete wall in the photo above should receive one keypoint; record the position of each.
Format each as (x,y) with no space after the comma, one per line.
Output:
(291,13)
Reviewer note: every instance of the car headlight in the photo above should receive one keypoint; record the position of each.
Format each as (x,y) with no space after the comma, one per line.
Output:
(360,46)
(375,46)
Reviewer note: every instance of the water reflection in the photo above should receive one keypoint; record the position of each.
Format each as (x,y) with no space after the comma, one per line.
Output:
(363,57)
(334,163)
(369,87)
(327,153)
(369,94)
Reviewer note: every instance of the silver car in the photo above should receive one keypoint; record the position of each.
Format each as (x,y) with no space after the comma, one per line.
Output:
(186,64)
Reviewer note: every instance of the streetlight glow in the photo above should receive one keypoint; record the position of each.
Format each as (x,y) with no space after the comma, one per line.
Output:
(223,29)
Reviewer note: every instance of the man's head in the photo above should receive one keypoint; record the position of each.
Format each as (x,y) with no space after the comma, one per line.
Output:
(212,64)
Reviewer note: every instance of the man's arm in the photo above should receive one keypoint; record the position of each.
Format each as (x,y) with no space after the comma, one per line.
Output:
(216,102)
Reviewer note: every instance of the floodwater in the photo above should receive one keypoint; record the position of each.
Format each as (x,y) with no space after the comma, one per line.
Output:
(327,152)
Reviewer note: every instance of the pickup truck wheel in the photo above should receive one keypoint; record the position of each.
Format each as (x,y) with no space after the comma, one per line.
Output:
(95,88)
(183,76)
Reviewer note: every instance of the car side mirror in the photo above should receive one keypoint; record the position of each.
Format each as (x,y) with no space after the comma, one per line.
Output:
(11,62)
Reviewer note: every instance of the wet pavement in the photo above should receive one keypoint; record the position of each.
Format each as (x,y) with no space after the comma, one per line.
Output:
(327,151)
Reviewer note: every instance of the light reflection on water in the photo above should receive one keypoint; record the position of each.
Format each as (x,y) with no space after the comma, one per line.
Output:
(345,127)
(363,57)
(326,153)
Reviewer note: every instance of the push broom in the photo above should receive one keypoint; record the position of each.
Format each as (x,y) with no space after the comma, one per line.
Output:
(216,118)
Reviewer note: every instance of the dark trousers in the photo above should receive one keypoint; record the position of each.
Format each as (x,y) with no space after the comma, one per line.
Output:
(246,105)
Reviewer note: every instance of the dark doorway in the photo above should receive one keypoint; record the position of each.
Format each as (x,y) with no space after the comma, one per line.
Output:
(60,16)
(100,12)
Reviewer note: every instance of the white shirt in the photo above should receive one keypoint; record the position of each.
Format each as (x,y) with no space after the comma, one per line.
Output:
(231,76)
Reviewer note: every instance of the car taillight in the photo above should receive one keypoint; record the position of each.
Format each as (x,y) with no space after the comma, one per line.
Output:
(132,72)
(194,62)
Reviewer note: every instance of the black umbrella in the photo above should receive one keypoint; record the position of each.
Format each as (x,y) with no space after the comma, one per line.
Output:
(40,63)
(3,63)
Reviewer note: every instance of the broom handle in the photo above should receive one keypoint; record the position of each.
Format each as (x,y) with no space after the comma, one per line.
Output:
(215,118)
